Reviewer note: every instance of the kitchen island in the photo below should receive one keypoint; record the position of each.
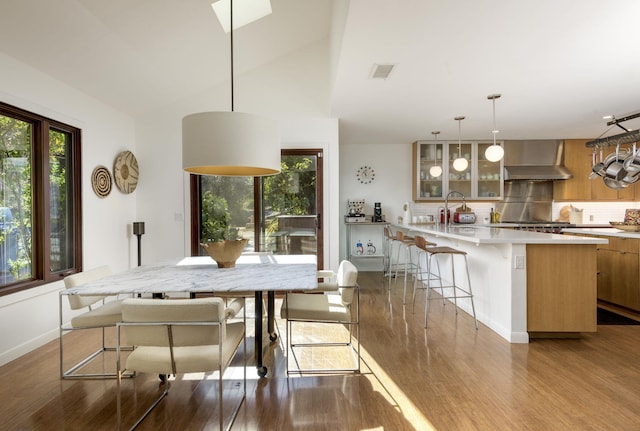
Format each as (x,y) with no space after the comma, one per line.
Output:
(525,284)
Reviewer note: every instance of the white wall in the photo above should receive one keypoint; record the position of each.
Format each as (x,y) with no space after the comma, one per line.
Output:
(293,91)
(391,187)
(30,318)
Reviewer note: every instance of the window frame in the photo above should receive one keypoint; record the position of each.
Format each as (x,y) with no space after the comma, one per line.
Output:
(196,210)
(41,211)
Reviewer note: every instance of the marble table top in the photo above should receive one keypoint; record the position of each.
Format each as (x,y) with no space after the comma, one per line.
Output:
(201,274)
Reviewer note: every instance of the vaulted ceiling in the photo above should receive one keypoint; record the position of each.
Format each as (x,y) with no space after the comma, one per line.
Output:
(560,65)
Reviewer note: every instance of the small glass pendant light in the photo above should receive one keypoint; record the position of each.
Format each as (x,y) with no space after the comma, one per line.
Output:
(460,164)
(495,152)
(436,169)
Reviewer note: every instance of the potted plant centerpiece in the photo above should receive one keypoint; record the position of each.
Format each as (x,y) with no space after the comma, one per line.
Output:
(219,239)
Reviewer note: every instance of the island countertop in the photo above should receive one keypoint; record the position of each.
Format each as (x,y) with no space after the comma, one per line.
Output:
(606,231)
(482,234)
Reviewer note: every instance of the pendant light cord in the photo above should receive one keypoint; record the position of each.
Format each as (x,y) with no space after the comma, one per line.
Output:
(231,38)
(459,119)
(435,154)
(494,121)
(493,98)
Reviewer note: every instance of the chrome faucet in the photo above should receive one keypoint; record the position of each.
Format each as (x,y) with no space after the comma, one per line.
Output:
(446,205)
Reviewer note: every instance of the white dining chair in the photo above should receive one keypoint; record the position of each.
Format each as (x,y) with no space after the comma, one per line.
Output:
(340,307)
(98,313)
(177,336)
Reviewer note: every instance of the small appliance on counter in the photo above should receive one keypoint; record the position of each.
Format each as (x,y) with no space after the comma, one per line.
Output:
(355,211)
(377,213)
(464,218)
(464,215)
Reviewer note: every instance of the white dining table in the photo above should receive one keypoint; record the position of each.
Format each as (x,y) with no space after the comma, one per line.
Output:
(255,273)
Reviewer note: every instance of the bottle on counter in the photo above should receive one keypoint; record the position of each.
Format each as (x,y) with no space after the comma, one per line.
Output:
(359,248)
(494,216)
(371,249)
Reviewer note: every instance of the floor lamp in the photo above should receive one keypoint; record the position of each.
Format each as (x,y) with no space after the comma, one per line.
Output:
(138,230)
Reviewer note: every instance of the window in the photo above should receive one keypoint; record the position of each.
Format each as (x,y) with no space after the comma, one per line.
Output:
(40,200)
(280,213)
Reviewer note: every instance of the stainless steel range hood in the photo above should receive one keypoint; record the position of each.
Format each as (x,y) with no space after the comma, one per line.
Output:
(535,160)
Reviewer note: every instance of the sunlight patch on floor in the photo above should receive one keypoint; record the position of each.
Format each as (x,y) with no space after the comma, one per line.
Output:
(381,382)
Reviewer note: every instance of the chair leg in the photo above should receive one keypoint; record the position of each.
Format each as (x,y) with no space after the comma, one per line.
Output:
(407,264)
(453,278)
(416,280)
(70,373)
(393,269)
(454,286)
(220,410)
(429,287)
(419,278)
(440,281)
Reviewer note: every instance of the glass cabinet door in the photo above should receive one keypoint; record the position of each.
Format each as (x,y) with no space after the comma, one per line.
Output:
(489,175)
(431,172)
(460,180)
(435,172)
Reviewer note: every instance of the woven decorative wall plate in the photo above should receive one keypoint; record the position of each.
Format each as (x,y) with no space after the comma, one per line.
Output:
(125,172)
(101,181)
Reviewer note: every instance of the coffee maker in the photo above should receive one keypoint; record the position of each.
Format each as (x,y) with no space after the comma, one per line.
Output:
(377,212)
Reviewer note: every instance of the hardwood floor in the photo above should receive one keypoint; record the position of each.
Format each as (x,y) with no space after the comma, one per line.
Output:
(446,377)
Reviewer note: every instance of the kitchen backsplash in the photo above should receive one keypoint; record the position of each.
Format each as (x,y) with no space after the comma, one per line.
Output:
(597,212)
(593,212)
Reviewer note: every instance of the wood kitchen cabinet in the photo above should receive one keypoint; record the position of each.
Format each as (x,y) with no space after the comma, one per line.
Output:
(482,180)
(619,272)
(578,158)
(561,288)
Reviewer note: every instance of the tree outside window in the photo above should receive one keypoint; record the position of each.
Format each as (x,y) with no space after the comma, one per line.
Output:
(40,209)
(227,204)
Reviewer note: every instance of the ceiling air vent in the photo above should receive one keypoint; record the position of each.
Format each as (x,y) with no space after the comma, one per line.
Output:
(381,71)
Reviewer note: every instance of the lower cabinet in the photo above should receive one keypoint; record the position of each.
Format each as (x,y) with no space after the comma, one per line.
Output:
(561,288)
(619,272)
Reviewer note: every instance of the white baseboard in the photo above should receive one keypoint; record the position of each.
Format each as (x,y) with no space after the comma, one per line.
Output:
(24,348)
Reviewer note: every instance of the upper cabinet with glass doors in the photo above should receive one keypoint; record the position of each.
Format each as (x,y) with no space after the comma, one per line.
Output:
(437,171)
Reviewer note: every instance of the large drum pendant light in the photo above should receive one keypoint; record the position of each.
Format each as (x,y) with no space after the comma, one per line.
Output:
(495,152)
(460,164)
(230,143)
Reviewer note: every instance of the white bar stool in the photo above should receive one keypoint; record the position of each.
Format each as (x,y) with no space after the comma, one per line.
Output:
(408,243)
(423,276)
(389,240)
(449,291)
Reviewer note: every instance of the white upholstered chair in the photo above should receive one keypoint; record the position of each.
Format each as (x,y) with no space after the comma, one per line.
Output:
(99,313)
(176,336)
(341,307)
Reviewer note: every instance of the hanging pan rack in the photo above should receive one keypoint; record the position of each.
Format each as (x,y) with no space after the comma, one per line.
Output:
(627,137)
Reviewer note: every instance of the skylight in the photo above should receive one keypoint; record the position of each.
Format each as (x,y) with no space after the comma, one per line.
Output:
(244,12)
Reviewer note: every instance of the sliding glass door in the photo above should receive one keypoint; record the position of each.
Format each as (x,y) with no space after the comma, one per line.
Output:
(291,205)
(281,214)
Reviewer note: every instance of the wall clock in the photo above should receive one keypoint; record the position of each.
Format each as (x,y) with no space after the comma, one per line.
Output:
(365,174)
